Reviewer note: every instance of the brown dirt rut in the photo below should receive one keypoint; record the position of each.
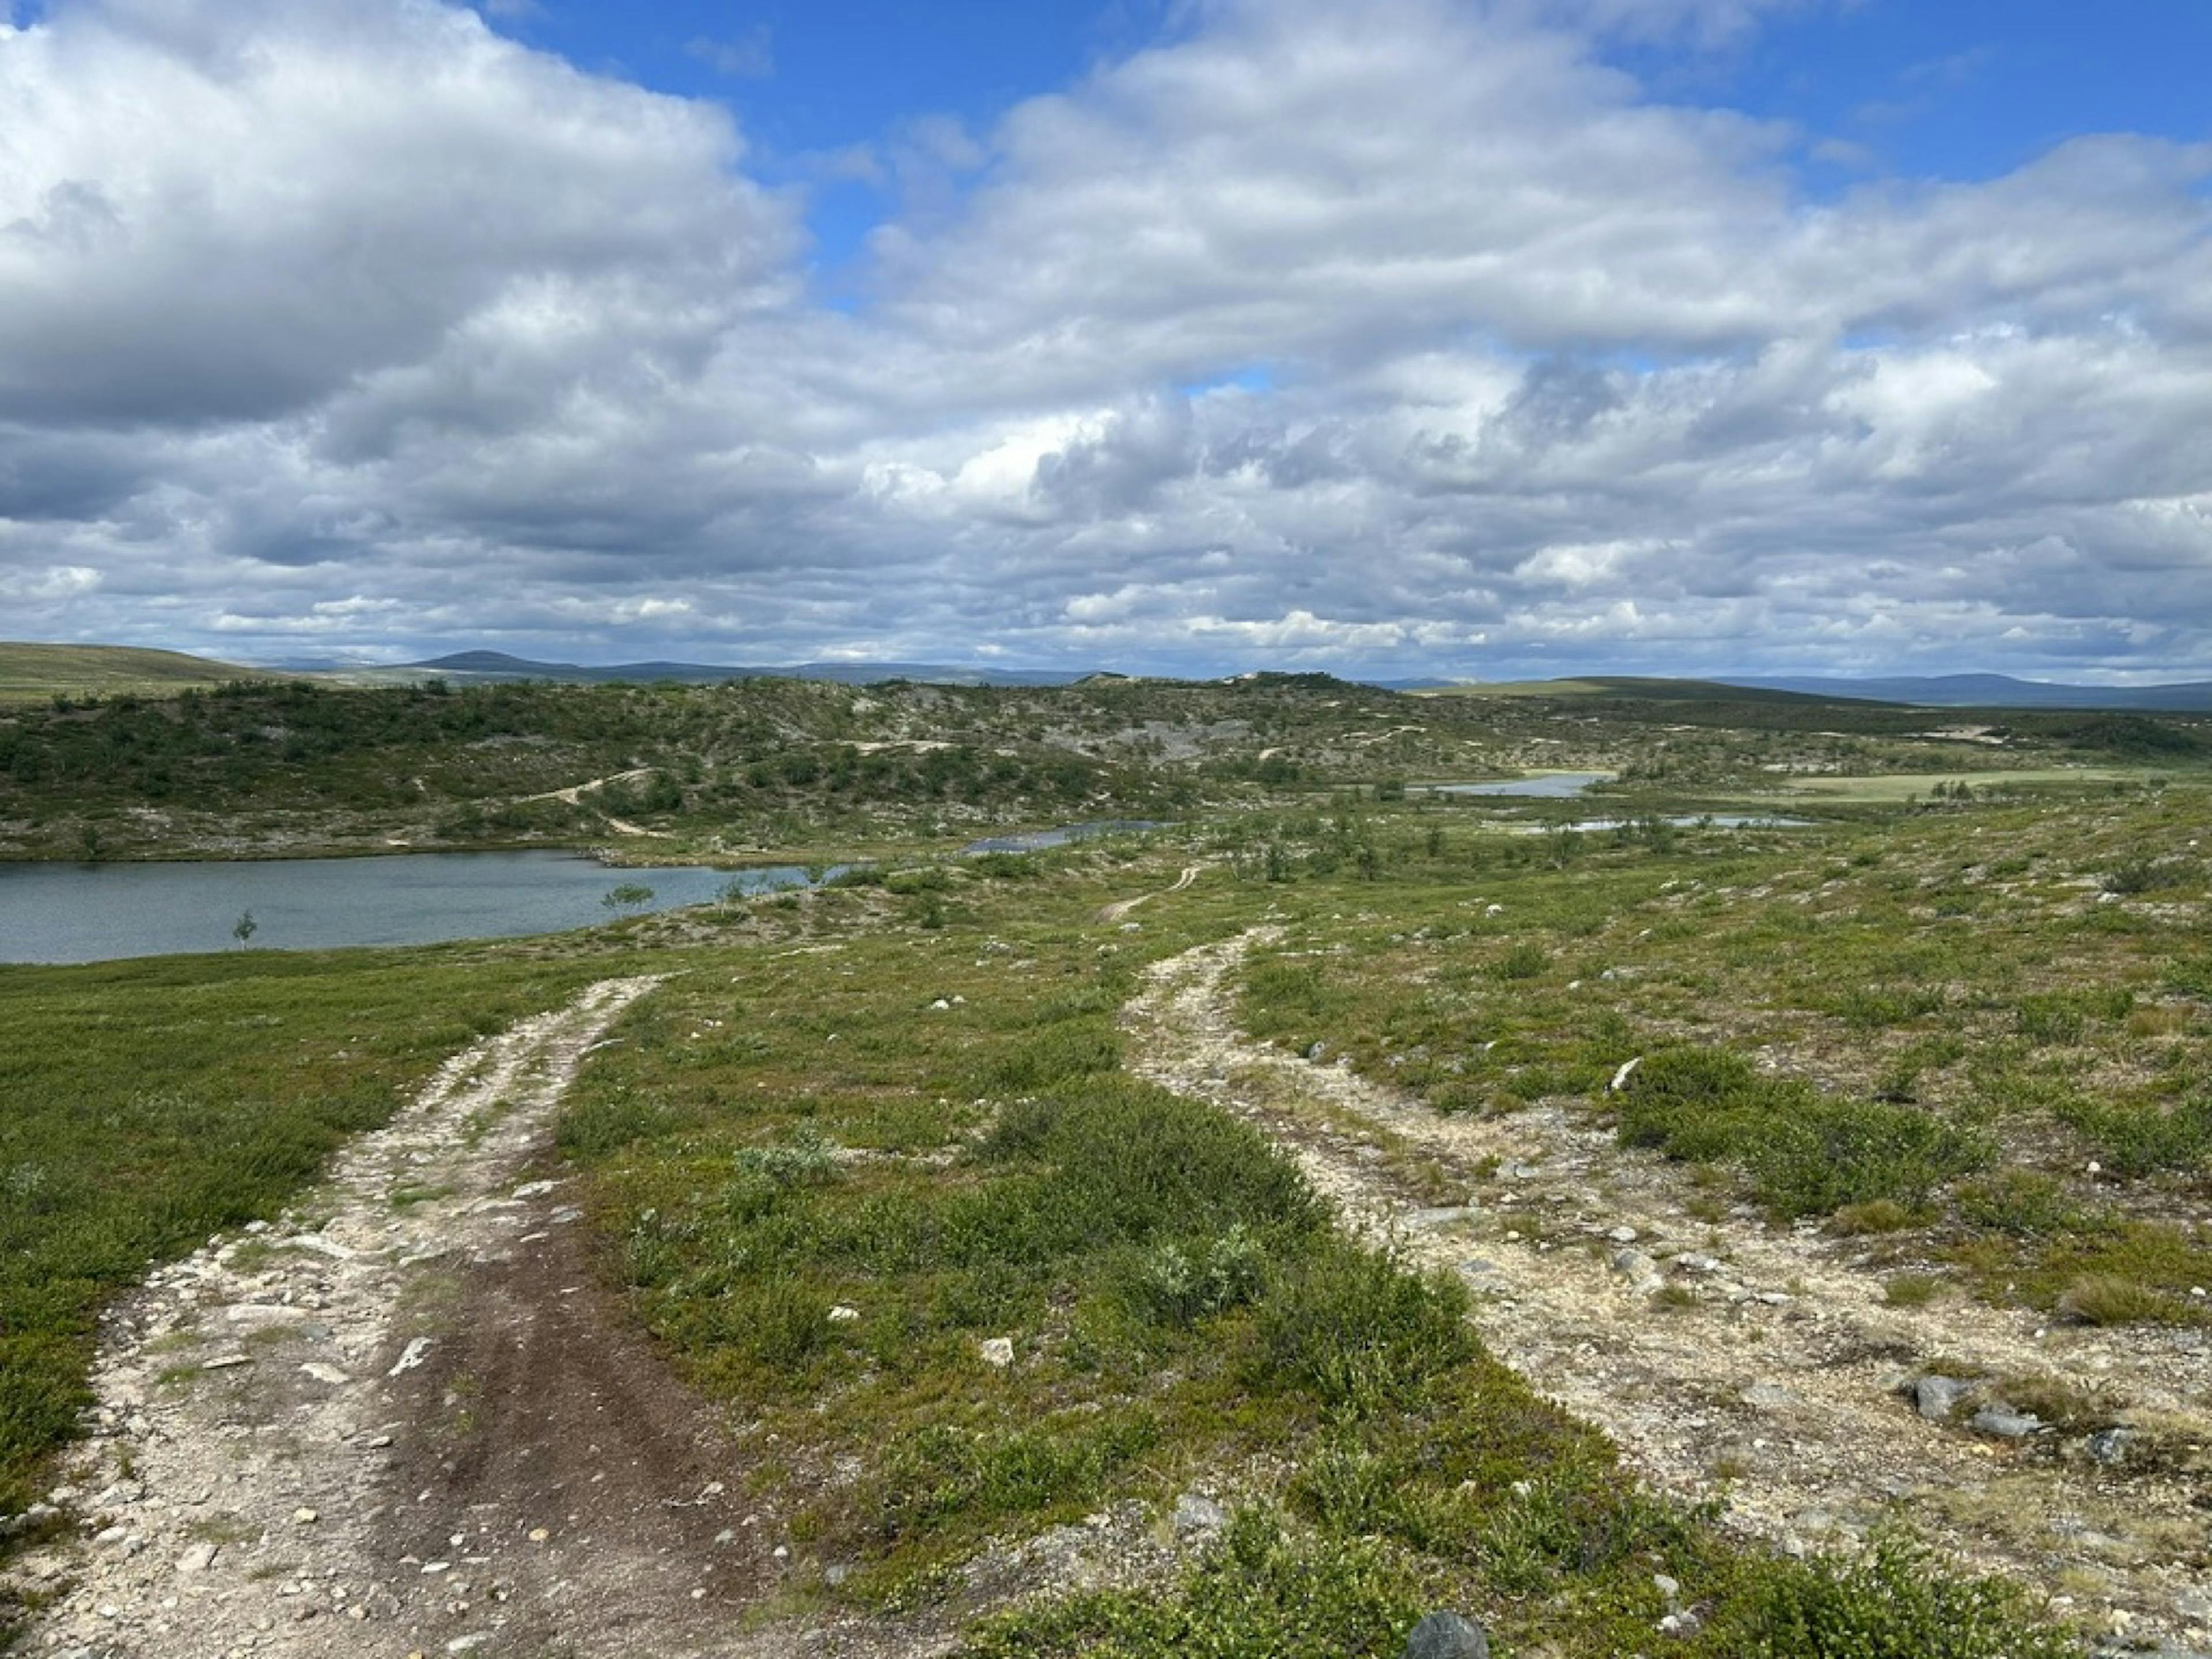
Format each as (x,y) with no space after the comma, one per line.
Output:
(404,1420)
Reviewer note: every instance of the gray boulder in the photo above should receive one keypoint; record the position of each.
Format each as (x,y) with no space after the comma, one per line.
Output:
(1446,1635)
(1937,1397)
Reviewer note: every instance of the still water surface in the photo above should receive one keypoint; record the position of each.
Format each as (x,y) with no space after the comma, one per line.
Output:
(95,912)
(1547,786)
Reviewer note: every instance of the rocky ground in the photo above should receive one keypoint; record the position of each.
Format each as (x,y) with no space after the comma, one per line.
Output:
(1735,1360)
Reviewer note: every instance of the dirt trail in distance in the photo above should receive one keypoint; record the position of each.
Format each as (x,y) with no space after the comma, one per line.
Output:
(405,1419)
(1120,907)
(574,794)
(1758,1365)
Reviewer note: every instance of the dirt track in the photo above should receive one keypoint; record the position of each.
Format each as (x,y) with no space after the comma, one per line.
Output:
(1731,1359)
(405,1419)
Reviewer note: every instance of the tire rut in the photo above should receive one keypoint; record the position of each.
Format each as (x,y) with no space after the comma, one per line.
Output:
(1733,1361)
(404,1418)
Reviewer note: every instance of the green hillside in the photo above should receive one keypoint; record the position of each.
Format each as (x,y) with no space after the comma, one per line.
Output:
(32,671)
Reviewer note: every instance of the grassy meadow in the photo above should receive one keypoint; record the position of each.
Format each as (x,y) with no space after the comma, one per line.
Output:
(1920,1020)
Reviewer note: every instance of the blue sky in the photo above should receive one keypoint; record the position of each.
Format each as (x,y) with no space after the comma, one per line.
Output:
(1954,89)
(1452,337)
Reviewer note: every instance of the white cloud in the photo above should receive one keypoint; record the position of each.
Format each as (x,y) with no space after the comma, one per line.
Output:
(1413,334)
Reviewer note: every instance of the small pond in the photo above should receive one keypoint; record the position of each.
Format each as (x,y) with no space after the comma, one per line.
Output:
(1035,841)
(1545,785)
(97,912)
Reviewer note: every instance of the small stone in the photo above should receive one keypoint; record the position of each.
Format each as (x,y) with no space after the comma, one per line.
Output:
(1769,1396)
(304,1516)
(322,1373)
(1936,1397)
(1622,1235)
(2004,1425)
(1669,1589)
(1198,1516)
(409,1357)
(781,1552)
(2108,1446)
(199,1558)
(939,1005)
(842,1314)
(996,1351)
(1635,1267)
(539,1534)
(1446,1635)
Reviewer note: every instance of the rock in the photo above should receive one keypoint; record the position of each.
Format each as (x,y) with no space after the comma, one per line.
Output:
(1641,1271)
(262,1316)
(1936,1397)
(2109,1446)
(2005,1425)
(1442,1216)
(411,1356)
(939,1006)
(996,1351)
(1769,1396)
(2195,1606)
(1197,1516)
(1622,1235)
(322,1373)
(1670,1590)
(304,1516)
(842,1314)
(1314,1051)
(1446,1635)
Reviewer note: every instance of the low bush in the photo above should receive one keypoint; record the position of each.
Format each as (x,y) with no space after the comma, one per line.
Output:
(1358,1332)
(1807,1153)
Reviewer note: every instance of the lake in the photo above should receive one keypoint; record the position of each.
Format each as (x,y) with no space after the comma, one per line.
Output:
(97,912)
(1036,840)
(1546,786)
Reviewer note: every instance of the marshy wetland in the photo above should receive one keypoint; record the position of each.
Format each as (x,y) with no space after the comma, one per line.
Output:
(1691,1237)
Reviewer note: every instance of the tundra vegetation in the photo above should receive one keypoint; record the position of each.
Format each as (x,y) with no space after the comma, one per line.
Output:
(1964,1023)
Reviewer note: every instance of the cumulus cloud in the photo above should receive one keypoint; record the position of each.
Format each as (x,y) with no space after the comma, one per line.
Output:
(1421,337)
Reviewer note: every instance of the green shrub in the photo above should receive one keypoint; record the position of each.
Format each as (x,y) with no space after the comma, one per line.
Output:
(940,1472)
(1526,960)
(1179,1283)
(1896,1602)
(2136,1139)
(1806,1153)
(1266,1591)
(1358,1332)
(2026,1202)
(1057,1052)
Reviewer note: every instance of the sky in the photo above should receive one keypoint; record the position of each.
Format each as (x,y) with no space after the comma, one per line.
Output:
(1473,338)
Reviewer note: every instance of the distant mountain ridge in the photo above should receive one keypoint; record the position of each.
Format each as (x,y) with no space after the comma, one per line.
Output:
(1989,691)
(499,665)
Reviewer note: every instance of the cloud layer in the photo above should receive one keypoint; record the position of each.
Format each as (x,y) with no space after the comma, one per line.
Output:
(1419,338)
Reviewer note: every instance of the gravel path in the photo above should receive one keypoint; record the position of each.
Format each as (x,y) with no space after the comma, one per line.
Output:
(294,1424)
(1732,1360)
